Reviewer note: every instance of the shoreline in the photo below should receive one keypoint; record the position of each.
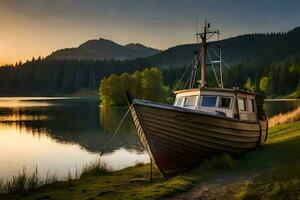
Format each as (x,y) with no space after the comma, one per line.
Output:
(270,100)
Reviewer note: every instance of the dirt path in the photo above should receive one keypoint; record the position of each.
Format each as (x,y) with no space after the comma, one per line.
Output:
(222,186)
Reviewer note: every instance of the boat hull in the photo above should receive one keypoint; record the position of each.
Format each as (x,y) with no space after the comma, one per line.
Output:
(178,139)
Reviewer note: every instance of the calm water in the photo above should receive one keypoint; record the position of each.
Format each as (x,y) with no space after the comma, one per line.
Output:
(61,134)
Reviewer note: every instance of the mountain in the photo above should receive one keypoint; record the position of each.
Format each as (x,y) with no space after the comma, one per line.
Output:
(249,57)
(268,48)
(103,49)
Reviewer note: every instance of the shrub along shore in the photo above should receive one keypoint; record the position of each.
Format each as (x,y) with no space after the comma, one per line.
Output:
(273,171)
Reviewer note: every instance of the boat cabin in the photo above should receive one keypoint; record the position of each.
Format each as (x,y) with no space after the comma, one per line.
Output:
(232,103)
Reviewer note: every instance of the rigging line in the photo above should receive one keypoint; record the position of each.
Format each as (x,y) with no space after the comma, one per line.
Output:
(116,131)
(190,77)
(211,36)
(181,77)
(195,69)
(194,72)
(194,77)
(212,65)
(226,65)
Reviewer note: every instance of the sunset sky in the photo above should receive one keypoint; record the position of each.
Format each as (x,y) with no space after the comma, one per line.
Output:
(37,27)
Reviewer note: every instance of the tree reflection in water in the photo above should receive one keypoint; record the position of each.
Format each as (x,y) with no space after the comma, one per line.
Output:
(79,121)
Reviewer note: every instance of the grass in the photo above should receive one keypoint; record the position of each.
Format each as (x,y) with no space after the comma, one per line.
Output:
(99,182)
(275,167)
(96,168)
(285,118)
(24,182)
(273,172)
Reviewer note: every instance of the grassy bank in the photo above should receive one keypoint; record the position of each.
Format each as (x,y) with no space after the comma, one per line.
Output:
(98,182)
(273,171)
(275,167)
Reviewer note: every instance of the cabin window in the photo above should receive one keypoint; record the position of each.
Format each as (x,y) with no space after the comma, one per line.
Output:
(209,101)
(178,101)
(251,105)
(190,101)
(242,104)
(225,102)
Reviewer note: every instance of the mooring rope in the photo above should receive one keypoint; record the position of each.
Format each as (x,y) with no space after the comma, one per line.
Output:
(116,131)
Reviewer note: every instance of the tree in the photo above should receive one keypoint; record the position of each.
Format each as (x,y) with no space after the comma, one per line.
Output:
(249,86)
(263,84)
(137,90)
(152,85)
(111,91)
(146,84)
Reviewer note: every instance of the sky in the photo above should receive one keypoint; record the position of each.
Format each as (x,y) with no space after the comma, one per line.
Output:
(38,27)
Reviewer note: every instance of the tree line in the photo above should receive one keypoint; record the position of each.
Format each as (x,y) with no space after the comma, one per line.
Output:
(278,79)
(54,77)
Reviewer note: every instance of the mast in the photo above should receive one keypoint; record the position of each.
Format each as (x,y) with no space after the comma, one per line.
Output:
(203,51)
(203,56)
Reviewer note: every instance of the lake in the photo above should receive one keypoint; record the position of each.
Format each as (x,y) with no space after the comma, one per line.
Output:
(57,135)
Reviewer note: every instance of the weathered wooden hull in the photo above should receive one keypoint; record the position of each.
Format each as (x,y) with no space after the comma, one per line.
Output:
(178,139)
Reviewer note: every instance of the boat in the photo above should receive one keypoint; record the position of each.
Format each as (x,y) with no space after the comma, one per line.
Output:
(203,122)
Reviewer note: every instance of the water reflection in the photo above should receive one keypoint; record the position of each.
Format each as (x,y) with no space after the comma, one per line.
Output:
(75,122)
(58,134)
(110,118)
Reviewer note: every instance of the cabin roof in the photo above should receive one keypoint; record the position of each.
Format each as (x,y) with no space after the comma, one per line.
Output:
(229,90)
(186,90)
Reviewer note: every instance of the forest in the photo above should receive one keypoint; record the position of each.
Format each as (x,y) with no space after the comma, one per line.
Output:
(268,63)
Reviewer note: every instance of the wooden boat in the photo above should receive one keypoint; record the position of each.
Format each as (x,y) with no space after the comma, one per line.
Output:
(201,123)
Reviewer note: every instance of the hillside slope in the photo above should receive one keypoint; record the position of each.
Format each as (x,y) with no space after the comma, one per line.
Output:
(103,49)
(266,48)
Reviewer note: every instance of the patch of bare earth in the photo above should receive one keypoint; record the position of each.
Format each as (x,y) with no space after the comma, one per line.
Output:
(222,186)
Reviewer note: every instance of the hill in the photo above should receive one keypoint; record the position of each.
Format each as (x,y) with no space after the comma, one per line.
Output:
(103,49)
(268,48)
(250,57)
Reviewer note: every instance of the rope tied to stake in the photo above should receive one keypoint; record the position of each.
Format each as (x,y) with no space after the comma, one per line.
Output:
(116,131)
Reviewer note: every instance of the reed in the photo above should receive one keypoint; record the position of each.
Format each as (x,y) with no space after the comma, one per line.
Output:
(27,182)
(96,168)
(284,118)
(50,178)
(22,182)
